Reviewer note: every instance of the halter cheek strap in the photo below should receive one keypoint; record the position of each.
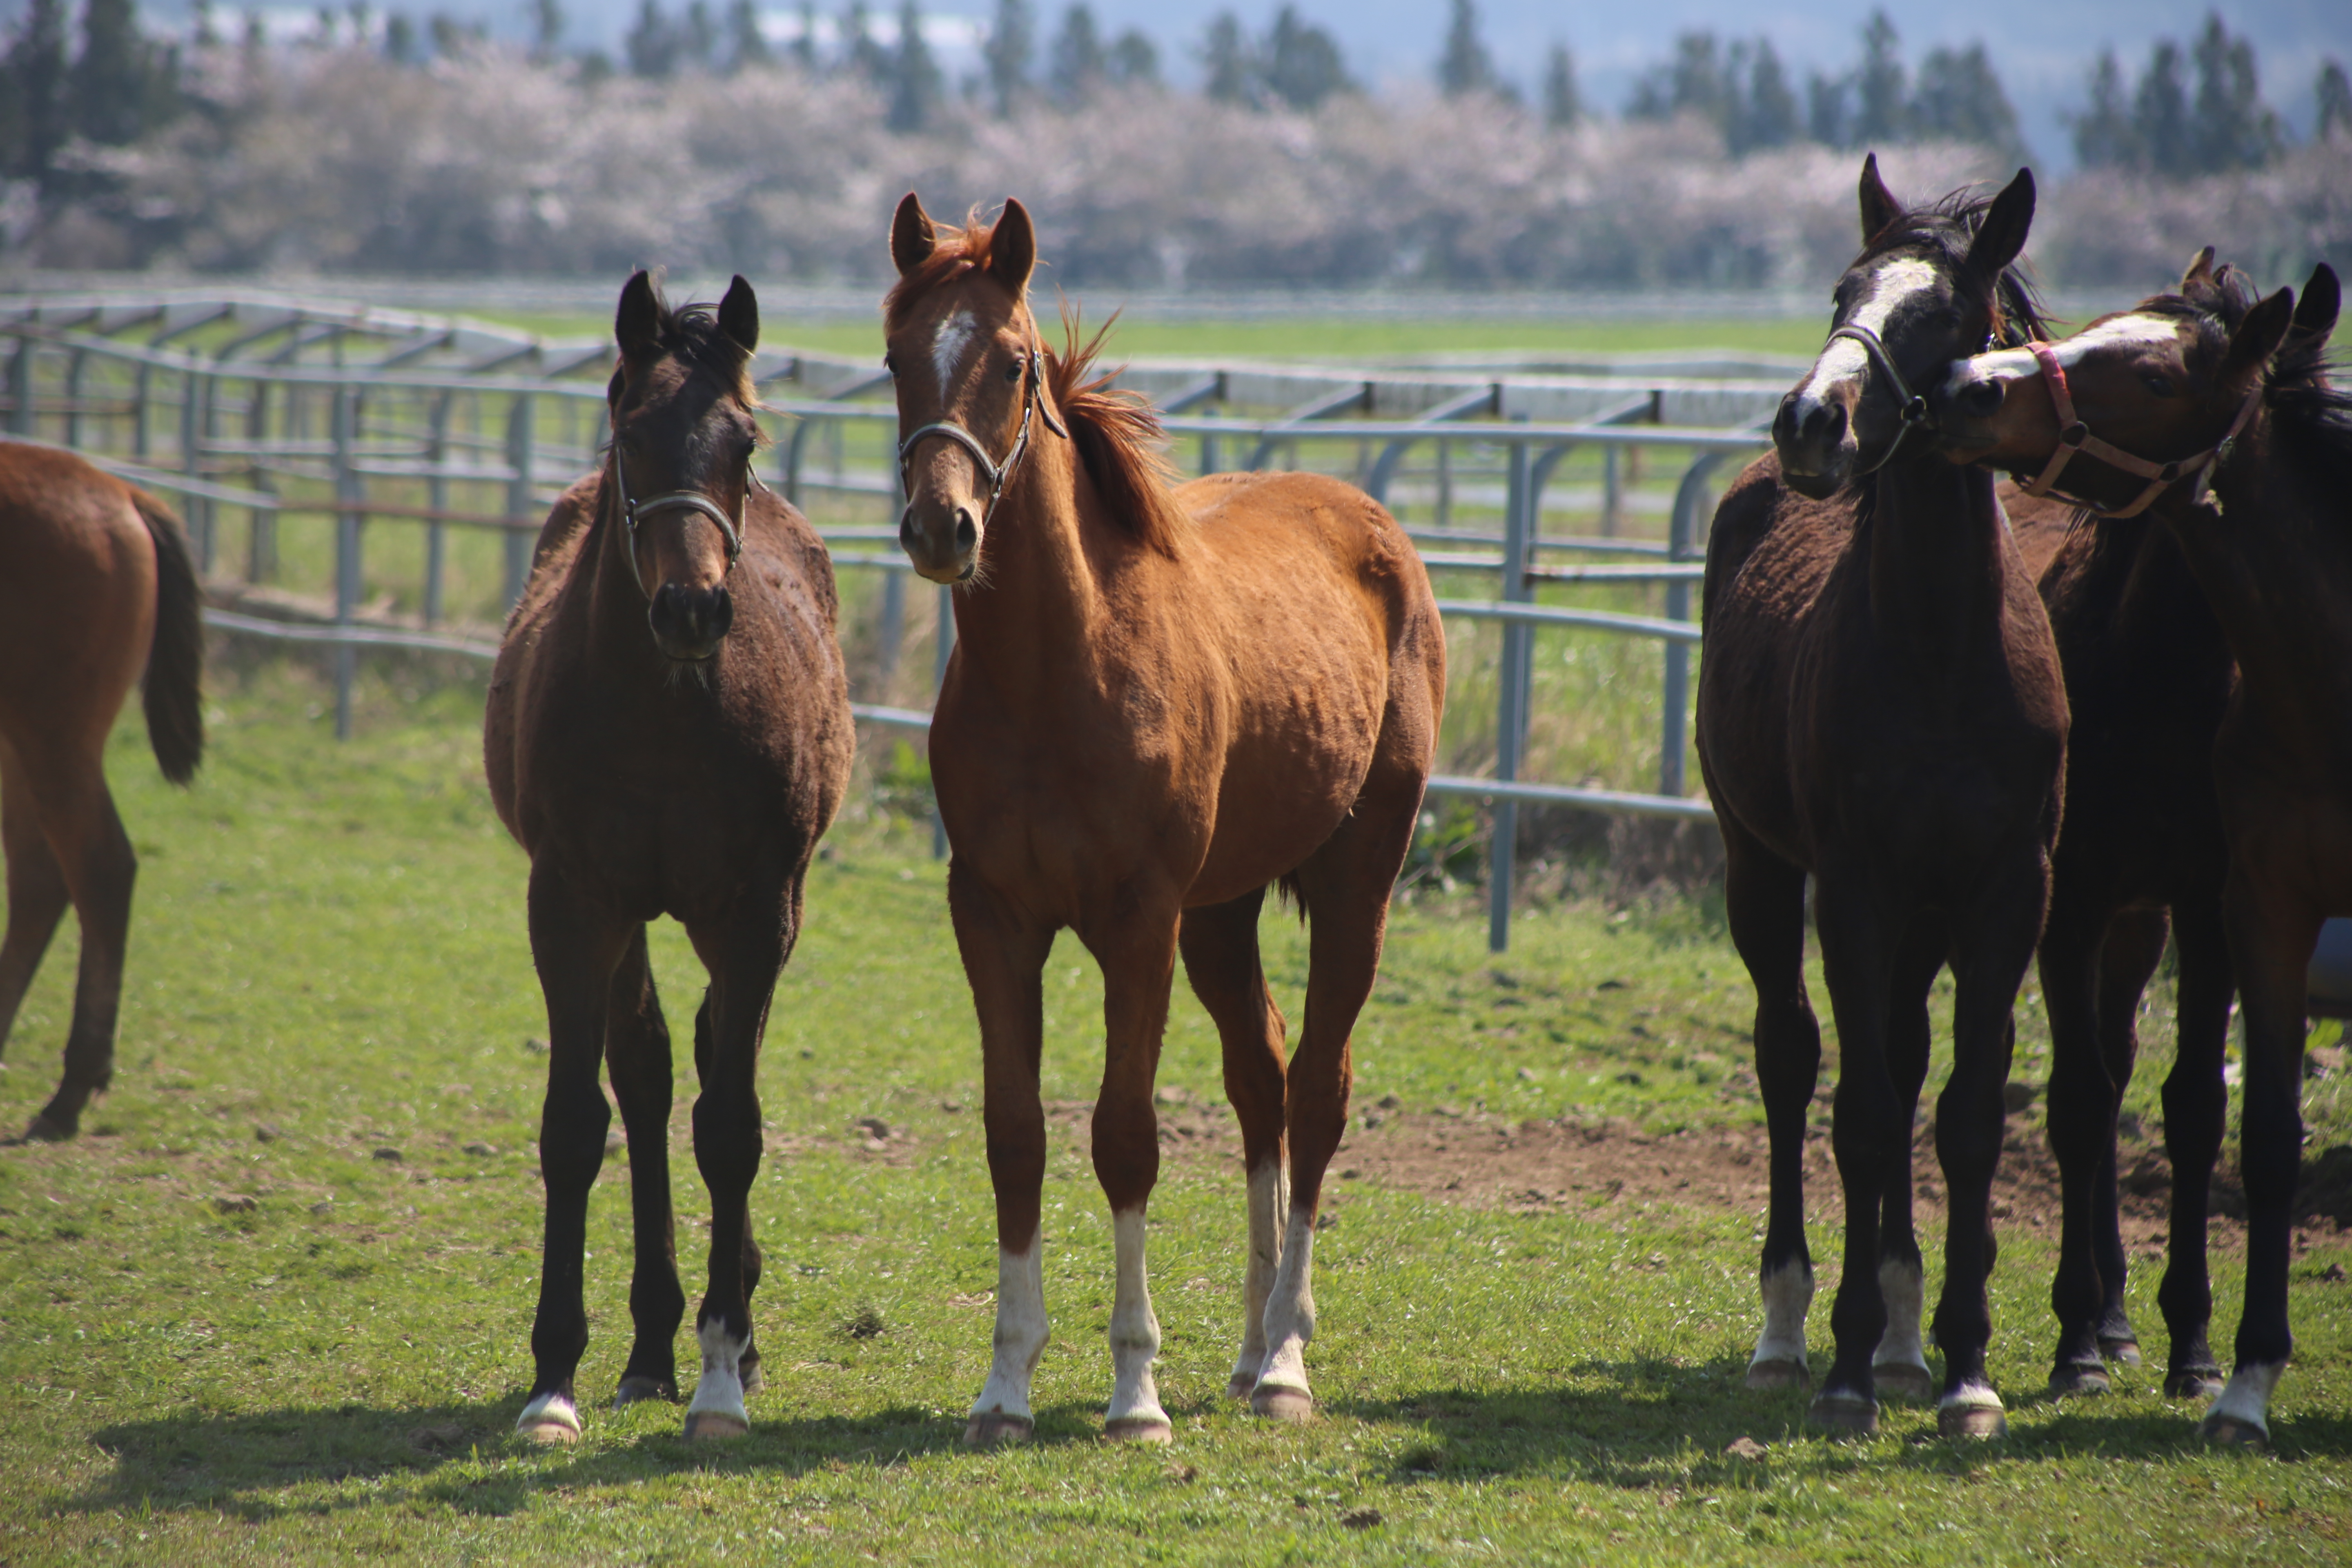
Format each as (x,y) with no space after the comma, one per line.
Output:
(2073,435)
(998,475)
(1915,411)
(636,511)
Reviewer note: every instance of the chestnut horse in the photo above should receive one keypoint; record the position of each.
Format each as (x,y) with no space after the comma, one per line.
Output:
(2178,392)
(1160,701)
(96,588)
(667,733)
(1881,708)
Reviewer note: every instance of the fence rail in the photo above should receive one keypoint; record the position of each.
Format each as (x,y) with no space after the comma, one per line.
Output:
(281,409)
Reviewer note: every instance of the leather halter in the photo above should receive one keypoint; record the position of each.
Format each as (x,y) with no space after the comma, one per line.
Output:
(2074,436)
(635,511)
(997,473)
(1914,411)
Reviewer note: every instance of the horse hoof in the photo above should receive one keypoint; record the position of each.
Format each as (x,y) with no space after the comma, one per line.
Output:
(1904,1380)
(1978,1421)
(1279,1404)
(638,1387)
(41,1130)
(1240,1384)
(1772,1374)
(2229,1432)
(2194,1382)
(1848,1414)
(753,1379)
(995,1427)
(715,1425)
(549,1419)
(2071,1378)
(2123,1350)
(548,1434)
(1139,1429)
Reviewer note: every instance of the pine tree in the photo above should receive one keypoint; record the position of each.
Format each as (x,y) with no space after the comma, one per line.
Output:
(698,41)
(400,39)
(1132,60)
(651,43)
(805,43)
(917,85)
(2160,131)
(110,80)
(1959,97)
(1465,67)
(1563,104)
(747,46)
(2232,127)
(1075,61)
(1303,66)
(207,26)
(2335,94)
(860,54)
(1770,118)
(2105,136)
(1827,119)
(546,29)
(1231,69)
(38,114)
(1882,110)
(1011,45)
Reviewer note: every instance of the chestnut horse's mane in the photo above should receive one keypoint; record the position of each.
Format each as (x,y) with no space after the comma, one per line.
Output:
(1117,432)
(1947,226)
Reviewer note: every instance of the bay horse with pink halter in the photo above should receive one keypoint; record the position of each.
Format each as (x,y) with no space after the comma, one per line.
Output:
(2146,409)
(96,590)
(1161,700)
(1881,710)
(667,733)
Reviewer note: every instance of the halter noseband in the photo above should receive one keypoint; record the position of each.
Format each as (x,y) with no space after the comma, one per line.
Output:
(2074,436)
(635,511)
(997,474)
(1914,411)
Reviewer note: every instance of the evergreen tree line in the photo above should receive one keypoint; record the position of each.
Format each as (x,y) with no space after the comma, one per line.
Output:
(110,91)
(2165,123)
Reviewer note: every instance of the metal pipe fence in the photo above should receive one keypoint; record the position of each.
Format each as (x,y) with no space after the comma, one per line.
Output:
(462,430)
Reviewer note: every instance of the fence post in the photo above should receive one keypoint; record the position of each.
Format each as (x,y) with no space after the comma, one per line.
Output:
(20,387)
(347,551)
(892,632)
(261,534)
(520,443)
(1511,706)
(436,497)
(143,382)
(1682,542)
(74,367)
(945,645)
(192,424)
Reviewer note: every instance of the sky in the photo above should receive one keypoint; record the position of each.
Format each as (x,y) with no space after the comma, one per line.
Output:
(2041,51)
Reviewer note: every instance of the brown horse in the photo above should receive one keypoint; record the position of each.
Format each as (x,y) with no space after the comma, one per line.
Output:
(96,588)
(668,732)
(2179,390)
(1160,702)
(1881,708)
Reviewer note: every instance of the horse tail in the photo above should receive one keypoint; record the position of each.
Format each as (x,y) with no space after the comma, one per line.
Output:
(173,686)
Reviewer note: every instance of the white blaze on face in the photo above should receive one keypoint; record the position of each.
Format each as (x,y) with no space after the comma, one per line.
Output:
(2005,365)
(948,345)
(1844,360)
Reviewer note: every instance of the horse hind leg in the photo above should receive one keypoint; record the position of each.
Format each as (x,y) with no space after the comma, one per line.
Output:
(1344,887)
(1765,899)
(637,1057)
(1221,959)
(1899,1364)
(2196,1101)
(93,853)
(2135,946)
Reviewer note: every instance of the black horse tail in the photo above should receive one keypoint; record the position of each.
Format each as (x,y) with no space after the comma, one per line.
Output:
(174,687)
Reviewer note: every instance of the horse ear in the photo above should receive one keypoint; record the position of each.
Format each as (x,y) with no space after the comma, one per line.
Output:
(2323,299)
(1879,208)
(2006,224)
(2199,272)
(912,238)
(2257,338)
(636,325)
(1012,248)
(738,316)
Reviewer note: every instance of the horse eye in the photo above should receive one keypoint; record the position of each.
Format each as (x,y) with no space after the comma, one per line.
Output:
(1012,370)
(2159,384)
(890,363)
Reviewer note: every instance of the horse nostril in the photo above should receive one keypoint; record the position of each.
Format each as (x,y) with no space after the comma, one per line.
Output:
(1980,399)
(907,531)
(967,530)
(722,613)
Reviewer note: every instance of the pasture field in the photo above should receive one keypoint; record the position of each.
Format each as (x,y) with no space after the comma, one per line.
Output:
(274,1304)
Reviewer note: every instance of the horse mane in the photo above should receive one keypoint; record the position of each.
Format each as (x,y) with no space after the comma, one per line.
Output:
(2308,409)
(1117,432)
(1947,226)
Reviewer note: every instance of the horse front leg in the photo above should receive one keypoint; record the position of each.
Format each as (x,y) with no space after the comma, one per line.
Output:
(2134,947)
(2271,941)
(2082,1113)
(575,947)
(1992,944)
(637,1056)
(1221,958)
(1764,900)
(1899,1365)
(1138,962)
(2195,1114)
(744,957)
(1005,960)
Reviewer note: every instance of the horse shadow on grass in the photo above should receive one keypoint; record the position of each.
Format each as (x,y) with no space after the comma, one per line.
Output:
(1646,1422)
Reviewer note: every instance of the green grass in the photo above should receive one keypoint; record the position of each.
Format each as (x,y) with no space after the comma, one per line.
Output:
(329,960)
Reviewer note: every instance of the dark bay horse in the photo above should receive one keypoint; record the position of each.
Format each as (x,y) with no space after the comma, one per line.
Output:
(668,732)
(1160,701)
(2211,385)
(97,589)
(1881,708)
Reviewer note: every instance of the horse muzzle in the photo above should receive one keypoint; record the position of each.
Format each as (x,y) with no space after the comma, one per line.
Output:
(942,542)
(1815,436)
(688,624)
